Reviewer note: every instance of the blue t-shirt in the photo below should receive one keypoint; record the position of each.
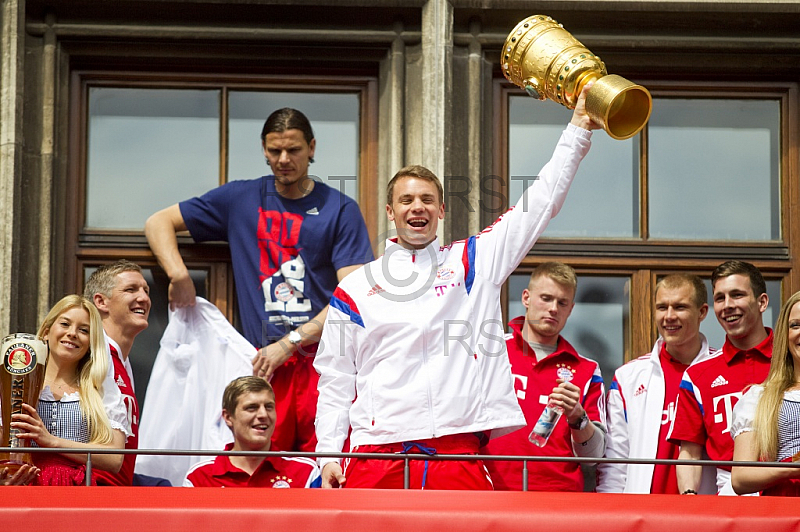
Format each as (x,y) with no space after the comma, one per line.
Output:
(285,253)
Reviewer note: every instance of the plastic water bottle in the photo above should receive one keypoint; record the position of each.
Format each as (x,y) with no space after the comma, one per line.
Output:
(544,426)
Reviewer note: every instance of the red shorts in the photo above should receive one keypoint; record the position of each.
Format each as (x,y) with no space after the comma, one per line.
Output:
(424,474)
(295,386)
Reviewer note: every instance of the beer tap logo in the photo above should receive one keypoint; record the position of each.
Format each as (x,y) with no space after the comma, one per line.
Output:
(19,359)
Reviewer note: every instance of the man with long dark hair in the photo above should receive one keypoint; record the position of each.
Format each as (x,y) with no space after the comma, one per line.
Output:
(292,239)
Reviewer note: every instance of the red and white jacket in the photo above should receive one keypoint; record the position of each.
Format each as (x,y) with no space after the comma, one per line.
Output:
(634,415)
(534,381)
(413,346)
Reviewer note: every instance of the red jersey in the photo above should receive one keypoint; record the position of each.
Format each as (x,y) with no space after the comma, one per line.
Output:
(664,477)
(533,383)
(709,391)
(274,472)
(125,383)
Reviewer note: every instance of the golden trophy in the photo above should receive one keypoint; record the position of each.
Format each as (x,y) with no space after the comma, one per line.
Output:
(24,357)
(543,58)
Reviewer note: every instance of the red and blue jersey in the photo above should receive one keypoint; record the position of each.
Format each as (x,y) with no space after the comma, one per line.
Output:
(709,391)
(285,253)
(533,383)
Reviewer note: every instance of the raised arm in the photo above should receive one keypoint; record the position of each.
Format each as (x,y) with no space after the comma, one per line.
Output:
(501,247)
(161,230)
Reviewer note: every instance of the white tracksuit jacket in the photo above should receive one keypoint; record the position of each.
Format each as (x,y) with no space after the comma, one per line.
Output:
(413,346)
(200,354)
(639,439)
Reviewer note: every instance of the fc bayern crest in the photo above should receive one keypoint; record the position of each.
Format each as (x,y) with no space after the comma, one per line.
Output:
(565,373)
(281,481)
(445,274)
(284,292)
(19,358)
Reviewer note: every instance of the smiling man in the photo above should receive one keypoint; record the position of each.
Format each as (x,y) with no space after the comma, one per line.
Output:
(414,359)
(122,296)
(547,368)
(642,397)
(248,409)
(292,239)
(710,390)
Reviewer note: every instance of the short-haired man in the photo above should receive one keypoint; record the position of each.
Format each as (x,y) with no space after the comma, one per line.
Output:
(414,358)
(291,240)
(641,399)
(710,389)
(248,408)
(122,296)
(547,368)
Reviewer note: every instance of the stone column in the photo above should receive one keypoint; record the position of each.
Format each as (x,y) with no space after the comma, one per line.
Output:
(436,87)
(391,125)
(47,159)
(12,54)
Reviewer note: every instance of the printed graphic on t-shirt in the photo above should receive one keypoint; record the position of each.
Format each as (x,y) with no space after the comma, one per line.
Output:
(282,268)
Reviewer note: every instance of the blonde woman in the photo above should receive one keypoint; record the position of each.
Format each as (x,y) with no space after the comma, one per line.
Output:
(71,400)
(766,421)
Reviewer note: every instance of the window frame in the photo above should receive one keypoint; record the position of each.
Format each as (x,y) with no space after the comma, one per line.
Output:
(92,247)
(645,260)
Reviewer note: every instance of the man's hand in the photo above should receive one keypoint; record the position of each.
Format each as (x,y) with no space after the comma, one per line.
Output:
(24,476)
(332,475)
(568,396)
(580,117)
(182,292)
(161,230)
(270,358)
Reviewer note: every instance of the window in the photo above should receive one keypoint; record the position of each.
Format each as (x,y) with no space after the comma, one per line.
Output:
(142,142)
(161,146)
(596,327)
(709,179)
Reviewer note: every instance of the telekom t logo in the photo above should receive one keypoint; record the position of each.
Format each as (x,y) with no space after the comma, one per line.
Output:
(523,380)
(668,415)
(723,414)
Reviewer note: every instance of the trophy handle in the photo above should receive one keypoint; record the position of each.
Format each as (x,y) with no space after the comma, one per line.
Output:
(533,88)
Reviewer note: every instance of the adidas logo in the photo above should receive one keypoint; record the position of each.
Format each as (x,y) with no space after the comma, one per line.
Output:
(640,390)
(120,382)
(375,290)
(719,381)
(312,211)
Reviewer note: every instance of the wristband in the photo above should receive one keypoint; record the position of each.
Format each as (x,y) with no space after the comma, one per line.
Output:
(295,338)
(581,424)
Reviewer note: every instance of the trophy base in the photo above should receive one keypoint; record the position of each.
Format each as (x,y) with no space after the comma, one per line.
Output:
(620,106)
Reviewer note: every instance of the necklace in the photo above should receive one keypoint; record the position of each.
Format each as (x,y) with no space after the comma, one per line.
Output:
(63,386)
